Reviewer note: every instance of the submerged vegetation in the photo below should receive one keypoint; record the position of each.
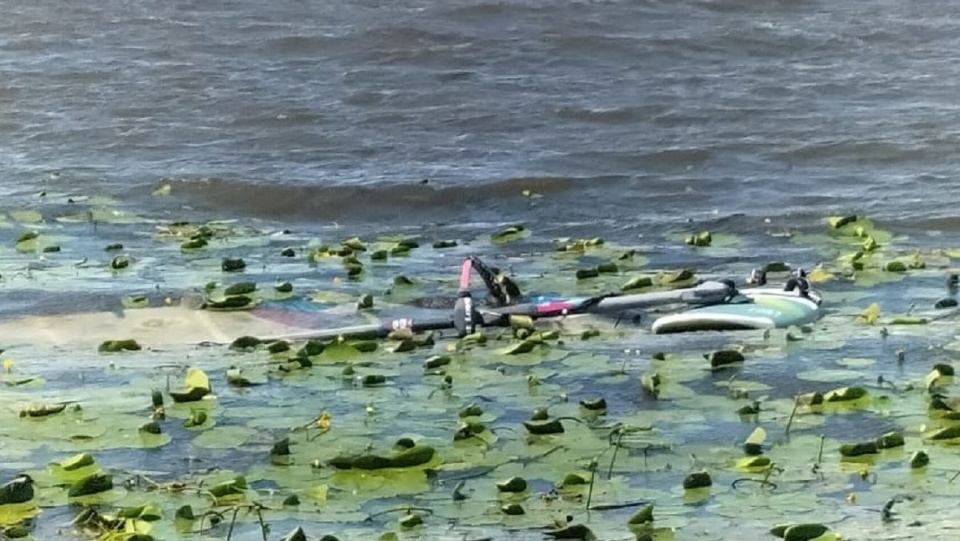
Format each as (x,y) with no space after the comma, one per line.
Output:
(577,428)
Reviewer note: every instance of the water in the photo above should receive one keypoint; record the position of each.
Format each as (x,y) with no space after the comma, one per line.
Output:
(627,117)
(641,113)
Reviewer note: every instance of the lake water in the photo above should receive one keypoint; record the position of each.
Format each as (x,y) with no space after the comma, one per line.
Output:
(631,113)
(632,120)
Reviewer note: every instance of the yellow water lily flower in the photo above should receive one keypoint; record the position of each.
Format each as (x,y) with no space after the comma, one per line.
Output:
(323,422)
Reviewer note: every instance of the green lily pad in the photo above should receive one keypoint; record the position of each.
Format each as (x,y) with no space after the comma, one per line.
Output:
(223,437)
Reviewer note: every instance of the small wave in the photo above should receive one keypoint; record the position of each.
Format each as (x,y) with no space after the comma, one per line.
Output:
(615,115)
(284,119)
(365,98)
(86,77)
(362,203)
(9,92)
(482,9)
(455,75)
(597,45)
(766,6)
(851,152)
(493,10)
(402,37)
(10,127)
(301,45)
(637,161)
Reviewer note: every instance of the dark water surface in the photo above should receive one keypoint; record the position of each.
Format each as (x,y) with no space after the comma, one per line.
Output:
(638,112)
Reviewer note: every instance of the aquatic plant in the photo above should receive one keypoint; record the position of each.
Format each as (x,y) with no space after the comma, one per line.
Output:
(570,429)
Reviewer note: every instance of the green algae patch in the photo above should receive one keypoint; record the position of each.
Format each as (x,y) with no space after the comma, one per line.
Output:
(408,458)
(116,346)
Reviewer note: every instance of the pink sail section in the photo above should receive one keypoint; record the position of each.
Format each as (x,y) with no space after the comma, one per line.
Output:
(555,307)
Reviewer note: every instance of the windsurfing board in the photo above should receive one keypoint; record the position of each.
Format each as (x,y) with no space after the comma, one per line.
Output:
(176,324)
(161,326)
(756,308)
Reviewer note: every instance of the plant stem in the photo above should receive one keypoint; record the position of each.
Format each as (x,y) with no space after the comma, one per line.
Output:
(796,404)
(405,509)
(233,521)
(263,527)
(614,457)
(593,474)
(613,506)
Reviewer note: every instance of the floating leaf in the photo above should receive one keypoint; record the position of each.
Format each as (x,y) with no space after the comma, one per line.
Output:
(92,484)
(19,490)
(508,234)
(26,216)
(695,480)
(919,459)
(408,458)
(908,320)
(703,238)
(197,379)
(637,282)
(859,449)
(754,464)
(838,222)
(76,462)
(804,532)
(513,484)
(945,433)
(820,275)
(845,394)
(113,346)
(725,357)
(135,302)
(643,516)
(146,512)
(43,410)
(870,315)
(233,489)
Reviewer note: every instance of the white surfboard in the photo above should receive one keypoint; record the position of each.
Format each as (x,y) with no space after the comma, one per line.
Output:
(758,308)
